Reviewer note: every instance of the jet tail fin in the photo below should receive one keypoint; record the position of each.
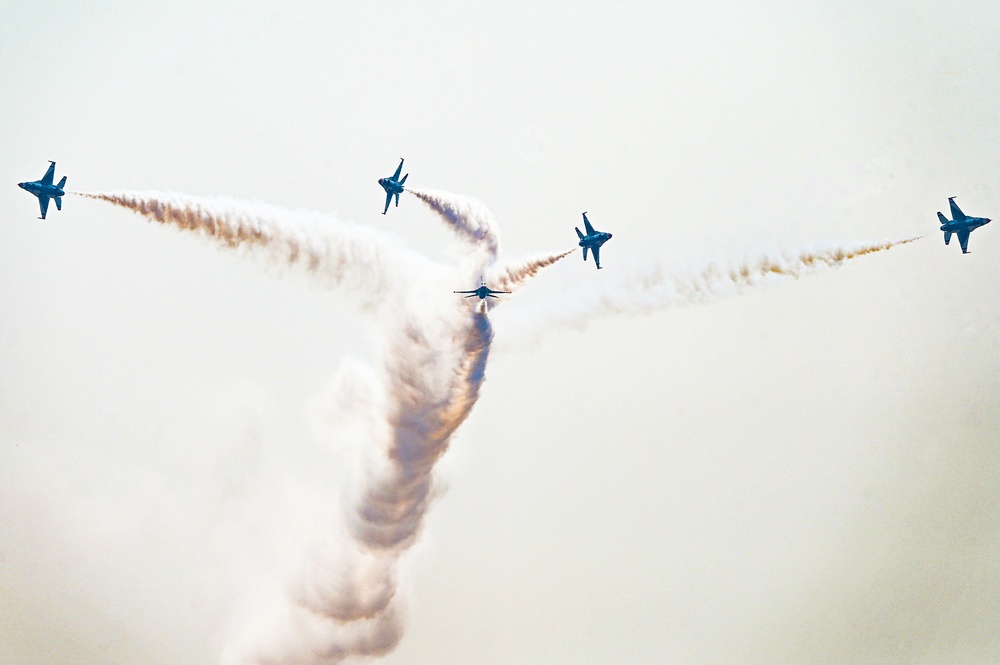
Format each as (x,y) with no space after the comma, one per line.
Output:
(947,236)
(403,181)
(581,238)
(58,200)
(397,199)
(62,183)
(585,248)
(944,220)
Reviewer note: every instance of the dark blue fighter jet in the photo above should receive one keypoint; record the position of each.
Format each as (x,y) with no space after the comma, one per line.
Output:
(393,185)
(962,225)
(45,190)
(483,292)
(592,240)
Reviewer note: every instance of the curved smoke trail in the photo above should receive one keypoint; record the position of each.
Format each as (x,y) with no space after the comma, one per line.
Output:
(367,263)
(468,217)
(658,287)
(346,602)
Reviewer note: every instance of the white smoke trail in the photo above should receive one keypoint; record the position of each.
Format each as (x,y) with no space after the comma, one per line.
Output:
(511,275)
(471,220)
(366,263)
(657,287)
(347,602)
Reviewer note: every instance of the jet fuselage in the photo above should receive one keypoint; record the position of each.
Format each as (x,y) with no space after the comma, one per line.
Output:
(967,224)
(38,189)
(595,239)
(391,185)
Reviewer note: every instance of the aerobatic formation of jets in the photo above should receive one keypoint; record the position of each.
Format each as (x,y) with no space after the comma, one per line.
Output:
(45,190)
(591,240)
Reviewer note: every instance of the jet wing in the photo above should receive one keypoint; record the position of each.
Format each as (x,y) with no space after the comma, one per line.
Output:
(956,212)
(49,175)
(399,169)
(597,256)
(586,224)
(963,240)
(43,203)
(388,200)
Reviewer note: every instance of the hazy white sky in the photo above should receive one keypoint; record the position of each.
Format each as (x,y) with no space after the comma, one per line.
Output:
(804,474)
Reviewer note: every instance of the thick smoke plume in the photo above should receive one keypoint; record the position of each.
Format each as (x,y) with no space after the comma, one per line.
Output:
(344,602)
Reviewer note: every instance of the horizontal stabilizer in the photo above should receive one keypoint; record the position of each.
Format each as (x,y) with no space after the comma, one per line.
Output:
(404,179)
(581,238)
(62,183)
(944,220)
(947,236)
(585,248)
(58,200)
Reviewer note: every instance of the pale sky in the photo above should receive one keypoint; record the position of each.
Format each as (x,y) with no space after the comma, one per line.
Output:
(802,474)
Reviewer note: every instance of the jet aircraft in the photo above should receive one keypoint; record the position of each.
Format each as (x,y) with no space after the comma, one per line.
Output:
(393,185)
(483,292)
(45,190)
(962,225)
(592,240)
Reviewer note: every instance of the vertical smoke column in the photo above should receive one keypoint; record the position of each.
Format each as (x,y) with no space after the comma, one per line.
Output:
(428,406)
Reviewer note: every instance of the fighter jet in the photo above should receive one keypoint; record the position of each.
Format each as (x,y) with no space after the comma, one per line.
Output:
(962,225)
(393,185)
(593,240)
(483,292)
(45,190)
